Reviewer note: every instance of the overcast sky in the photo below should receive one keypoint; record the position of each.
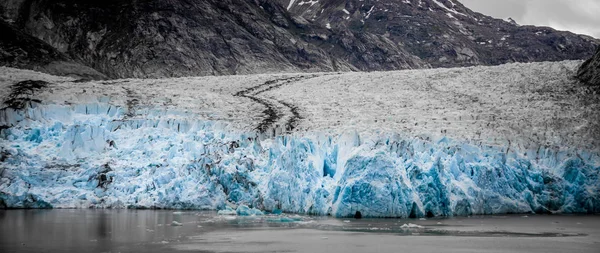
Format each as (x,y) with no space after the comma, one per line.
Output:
(578,16)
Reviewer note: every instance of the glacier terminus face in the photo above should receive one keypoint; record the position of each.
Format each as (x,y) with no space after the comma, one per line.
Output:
(100,153)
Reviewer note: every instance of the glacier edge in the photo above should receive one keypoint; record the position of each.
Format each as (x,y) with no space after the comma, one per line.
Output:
(96,156)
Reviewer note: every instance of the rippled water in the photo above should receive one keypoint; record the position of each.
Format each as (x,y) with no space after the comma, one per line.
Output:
(162,231)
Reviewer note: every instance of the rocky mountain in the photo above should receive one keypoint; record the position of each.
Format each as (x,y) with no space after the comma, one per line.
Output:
(158,38)
(445,33)
(589,72)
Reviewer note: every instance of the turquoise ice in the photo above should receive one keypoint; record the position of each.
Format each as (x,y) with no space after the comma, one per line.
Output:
(94,156)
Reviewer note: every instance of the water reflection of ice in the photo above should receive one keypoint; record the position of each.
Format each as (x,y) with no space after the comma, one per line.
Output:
(153,231)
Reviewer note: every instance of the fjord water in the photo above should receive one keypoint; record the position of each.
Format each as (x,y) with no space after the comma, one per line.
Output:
(96,230)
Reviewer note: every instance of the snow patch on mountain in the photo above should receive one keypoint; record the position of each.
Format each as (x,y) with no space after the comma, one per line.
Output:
(310,2)
(369,12)
(291,4)
(448,9)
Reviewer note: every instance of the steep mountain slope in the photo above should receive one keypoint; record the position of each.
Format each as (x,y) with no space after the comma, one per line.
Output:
(589,72)
(152,38)
(21,50)
(184,37)
(444,33)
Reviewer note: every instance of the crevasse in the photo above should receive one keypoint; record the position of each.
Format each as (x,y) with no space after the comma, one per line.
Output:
(96,156)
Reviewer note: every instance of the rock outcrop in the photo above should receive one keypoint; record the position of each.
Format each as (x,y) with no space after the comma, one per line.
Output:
(589,72)
(21,50)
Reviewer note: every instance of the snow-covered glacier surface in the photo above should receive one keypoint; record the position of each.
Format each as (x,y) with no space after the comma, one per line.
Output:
(95,156)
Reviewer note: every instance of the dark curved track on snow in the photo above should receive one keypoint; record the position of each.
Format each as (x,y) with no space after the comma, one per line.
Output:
(272,111)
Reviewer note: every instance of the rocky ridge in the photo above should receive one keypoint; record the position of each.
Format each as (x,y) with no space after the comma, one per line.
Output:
(589,72)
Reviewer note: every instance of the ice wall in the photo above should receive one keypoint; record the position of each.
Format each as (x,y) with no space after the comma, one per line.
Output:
(97,156)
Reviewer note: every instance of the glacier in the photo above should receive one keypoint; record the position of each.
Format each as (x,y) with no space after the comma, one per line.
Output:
(97,155)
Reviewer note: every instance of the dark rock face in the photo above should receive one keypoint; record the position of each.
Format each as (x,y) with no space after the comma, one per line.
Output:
(21,50)
(444,33)
(589,72)
(157,38)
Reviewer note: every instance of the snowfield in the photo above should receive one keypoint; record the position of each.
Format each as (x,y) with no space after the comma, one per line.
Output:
(516,138)
(526,104)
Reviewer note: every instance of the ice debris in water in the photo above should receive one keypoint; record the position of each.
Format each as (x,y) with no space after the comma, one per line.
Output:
(286,219)
(244,210)
(90,155)
(410,225)
(176,224)
(227,211)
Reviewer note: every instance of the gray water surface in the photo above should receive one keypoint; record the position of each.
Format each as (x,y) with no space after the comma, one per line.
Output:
(193,231)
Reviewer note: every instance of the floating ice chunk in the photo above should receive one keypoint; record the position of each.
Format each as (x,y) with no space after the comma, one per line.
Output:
(286,219)
(410,225)
(227,211)
(176,224)
(244,210)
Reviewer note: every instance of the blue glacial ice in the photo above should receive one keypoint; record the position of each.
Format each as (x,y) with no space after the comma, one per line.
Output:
(95,156)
